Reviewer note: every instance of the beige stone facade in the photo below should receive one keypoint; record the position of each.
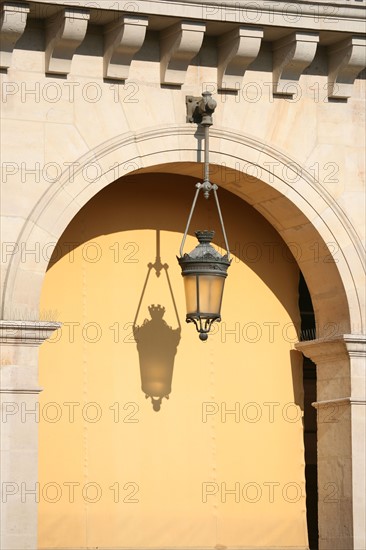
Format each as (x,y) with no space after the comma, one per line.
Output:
(93,92)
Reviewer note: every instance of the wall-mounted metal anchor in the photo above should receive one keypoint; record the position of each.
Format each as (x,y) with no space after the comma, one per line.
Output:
(200,109)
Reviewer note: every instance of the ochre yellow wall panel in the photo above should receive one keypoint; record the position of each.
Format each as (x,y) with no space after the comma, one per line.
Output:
(222,462)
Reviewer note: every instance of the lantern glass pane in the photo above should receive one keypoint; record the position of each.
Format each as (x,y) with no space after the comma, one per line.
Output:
(210,293)
(190,287)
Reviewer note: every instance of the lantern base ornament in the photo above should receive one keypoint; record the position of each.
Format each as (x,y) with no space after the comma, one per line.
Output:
(202,324)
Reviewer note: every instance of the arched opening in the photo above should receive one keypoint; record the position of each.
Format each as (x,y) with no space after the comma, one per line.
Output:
(300,209)
(222,462)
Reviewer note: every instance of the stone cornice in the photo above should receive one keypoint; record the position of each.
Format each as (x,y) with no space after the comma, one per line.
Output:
(26,333)
(320,15)
(294,36)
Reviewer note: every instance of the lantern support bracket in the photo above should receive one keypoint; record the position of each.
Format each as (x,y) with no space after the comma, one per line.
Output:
(202,114)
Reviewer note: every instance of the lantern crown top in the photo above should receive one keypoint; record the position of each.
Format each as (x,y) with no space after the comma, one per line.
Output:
(204,258)
(204,250)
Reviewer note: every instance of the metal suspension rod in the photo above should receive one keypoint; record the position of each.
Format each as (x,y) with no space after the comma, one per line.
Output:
(207,152)
(189,219)
(222,222)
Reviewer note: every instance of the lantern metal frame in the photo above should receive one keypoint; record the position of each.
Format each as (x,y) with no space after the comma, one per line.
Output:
(210,262)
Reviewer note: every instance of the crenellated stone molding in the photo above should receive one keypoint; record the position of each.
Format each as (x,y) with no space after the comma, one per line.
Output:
(237,49)
(64,33)
(179,44)
(122,40)
(291,55)
(12,24)
(346,59)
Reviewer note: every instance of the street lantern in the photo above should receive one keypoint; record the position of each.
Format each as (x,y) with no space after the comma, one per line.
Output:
(204,269)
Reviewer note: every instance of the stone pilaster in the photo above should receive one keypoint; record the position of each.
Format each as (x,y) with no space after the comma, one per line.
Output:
(19,391)
(341,407)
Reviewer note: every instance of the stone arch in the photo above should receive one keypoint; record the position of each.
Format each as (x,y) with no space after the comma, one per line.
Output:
(309,220)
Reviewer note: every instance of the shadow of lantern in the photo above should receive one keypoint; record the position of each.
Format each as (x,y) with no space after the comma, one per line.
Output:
(157,345)
(156,341)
